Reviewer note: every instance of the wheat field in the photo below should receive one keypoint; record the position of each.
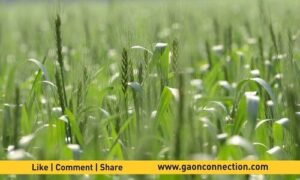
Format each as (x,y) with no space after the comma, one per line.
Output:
(150,80)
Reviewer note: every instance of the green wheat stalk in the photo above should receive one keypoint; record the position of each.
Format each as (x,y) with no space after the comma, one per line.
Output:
(17,118)
(208,53)
(59,76)
(59,54)
(180,119)
(175,51)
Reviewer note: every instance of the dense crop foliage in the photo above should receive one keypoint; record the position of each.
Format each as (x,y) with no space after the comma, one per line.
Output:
(153,80)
